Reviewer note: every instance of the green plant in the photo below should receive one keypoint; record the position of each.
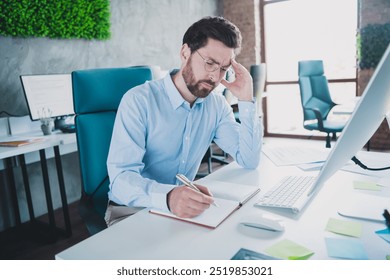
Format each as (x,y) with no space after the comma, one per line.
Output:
(372,43)
(88,19)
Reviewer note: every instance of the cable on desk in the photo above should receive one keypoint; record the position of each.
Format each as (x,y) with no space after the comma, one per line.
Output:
(358,162)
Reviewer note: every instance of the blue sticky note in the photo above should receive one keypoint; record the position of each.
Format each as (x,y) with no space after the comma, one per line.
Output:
(384,233)
(346,248)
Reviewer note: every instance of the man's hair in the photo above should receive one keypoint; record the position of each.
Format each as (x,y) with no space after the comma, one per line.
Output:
(217,28)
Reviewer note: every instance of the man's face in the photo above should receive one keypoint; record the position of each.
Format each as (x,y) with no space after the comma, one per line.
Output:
(206,67)
(199,88)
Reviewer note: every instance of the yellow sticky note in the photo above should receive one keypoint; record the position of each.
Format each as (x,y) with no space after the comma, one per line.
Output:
(364,185)
(344,227)
(290,250)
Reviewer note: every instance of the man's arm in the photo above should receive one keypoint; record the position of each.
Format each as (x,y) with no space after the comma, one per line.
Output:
(125,159)
(242,141)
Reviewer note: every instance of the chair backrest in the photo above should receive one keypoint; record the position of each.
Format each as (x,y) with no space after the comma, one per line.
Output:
(259,74)
(314,88)
(96,96)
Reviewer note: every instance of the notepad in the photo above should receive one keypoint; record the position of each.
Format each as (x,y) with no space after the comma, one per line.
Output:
(228,196)
(18,143)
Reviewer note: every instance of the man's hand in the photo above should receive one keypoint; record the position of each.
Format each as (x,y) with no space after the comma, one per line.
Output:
(185,202)
(242,86)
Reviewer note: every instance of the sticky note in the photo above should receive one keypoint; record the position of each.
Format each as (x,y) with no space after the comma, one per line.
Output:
(352,249)
(344,227)
(365,185)
(385,182)
(287,249)
(384,234)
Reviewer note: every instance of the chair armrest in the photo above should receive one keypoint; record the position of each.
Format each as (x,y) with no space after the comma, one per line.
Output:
(319,117)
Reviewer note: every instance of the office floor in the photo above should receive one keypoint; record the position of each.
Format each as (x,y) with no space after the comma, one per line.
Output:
(22,245)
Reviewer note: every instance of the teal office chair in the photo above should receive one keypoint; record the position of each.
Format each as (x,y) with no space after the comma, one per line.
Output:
(316,100)
(96,97)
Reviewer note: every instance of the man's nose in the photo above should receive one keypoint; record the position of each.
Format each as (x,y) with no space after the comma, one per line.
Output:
(214,76)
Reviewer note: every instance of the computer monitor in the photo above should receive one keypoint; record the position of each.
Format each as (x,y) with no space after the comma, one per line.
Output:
(48,95)
(364,121)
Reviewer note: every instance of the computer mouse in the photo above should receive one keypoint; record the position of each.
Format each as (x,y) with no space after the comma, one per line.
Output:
(265,223)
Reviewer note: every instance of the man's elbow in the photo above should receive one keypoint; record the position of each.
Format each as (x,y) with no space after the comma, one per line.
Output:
(251,162)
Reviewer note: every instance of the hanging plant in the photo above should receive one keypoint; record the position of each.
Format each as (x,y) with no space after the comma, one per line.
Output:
(55,19)
(372,43)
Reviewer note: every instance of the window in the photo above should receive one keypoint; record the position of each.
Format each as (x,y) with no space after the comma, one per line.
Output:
(302,30)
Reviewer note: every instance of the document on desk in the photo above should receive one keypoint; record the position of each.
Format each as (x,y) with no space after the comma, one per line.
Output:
(20,142)
(294,155)
(228,196)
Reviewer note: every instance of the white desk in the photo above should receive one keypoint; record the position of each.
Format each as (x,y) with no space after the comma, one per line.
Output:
(146,236)
(10,155)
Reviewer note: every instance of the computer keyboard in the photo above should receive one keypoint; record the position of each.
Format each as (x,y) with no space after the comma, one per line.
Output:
(289,193)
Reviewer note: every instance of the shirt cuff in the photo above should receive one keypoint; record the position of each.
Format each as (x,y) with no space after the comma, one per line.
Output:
(247,109)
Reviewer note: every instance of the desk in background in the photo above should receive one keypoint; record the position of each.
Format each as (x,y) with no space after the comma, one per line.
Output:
(13,155)
(145,236)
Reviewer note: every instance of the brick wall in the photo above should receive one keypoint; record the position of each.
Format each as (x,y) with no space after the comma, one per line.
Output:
(374,11)
(245,14)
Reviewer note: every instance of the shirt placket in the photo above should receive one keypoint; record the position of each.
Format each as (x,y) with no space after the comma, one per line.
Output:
(185,157)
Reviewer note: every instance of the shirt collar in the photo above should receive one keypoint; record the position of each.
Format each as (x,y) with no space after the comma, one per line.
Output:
(174,95)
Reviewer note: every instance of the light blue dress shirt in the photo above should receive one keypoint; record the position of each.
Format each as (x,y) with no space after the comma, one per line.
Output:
(157,135)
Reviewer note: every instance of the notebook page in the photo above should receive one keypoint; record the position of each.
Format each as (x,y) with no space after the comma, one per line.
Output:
(211,217)
(226,190)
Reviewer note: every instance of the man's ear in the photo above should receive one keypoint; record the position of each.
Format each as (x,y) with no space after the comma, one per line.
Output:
(185,52)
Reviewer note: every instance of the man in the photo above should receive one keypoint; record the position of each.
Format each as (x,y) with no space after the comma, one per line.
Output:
(164,127)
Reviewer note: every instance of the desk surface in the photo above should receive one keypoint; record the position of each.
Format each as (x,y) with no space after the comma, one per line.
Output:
(48,141)
(146,236)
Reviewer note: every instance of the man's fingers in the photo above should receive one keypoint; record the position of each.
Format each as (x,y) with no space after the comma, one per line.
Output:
(204,190)
(225,83)
(187,203)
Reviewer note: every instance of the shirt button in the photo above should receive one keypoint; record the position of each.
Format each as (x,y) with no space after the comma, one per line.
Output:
(183,161)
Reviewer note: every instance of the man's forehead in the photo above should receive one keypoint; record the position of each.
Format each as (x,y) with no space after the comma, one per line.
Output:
(220,55)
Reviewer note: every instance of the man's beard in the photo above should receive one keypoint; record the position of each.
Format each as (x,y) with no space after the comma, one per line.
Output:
(196,87)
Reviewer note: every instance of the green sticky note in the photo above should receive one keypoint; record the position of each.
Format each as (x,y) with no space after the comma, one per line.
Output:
(364,185)
(344,227)
(290,250)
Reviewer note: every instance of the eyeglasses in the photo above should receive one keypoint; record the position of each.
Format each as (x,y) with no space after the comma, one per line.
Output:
(211,66)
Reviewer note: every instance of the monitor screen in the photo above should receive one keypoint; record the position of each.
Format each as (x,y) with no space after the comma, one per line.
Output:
(48,95)
(369,113)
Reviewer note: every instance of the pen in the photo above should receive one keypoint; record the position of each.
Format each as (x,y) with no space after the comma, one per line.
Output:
(387,218)
(189,184)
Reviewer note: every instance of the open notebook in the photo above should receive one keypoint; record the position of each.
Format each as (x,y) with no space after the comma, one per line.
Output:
(228,196)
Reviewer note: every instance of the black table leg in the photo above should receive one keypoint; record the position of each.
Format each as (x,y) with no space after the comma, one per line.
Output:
(14,197)
(46,184)
(61,183)
(27,189)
